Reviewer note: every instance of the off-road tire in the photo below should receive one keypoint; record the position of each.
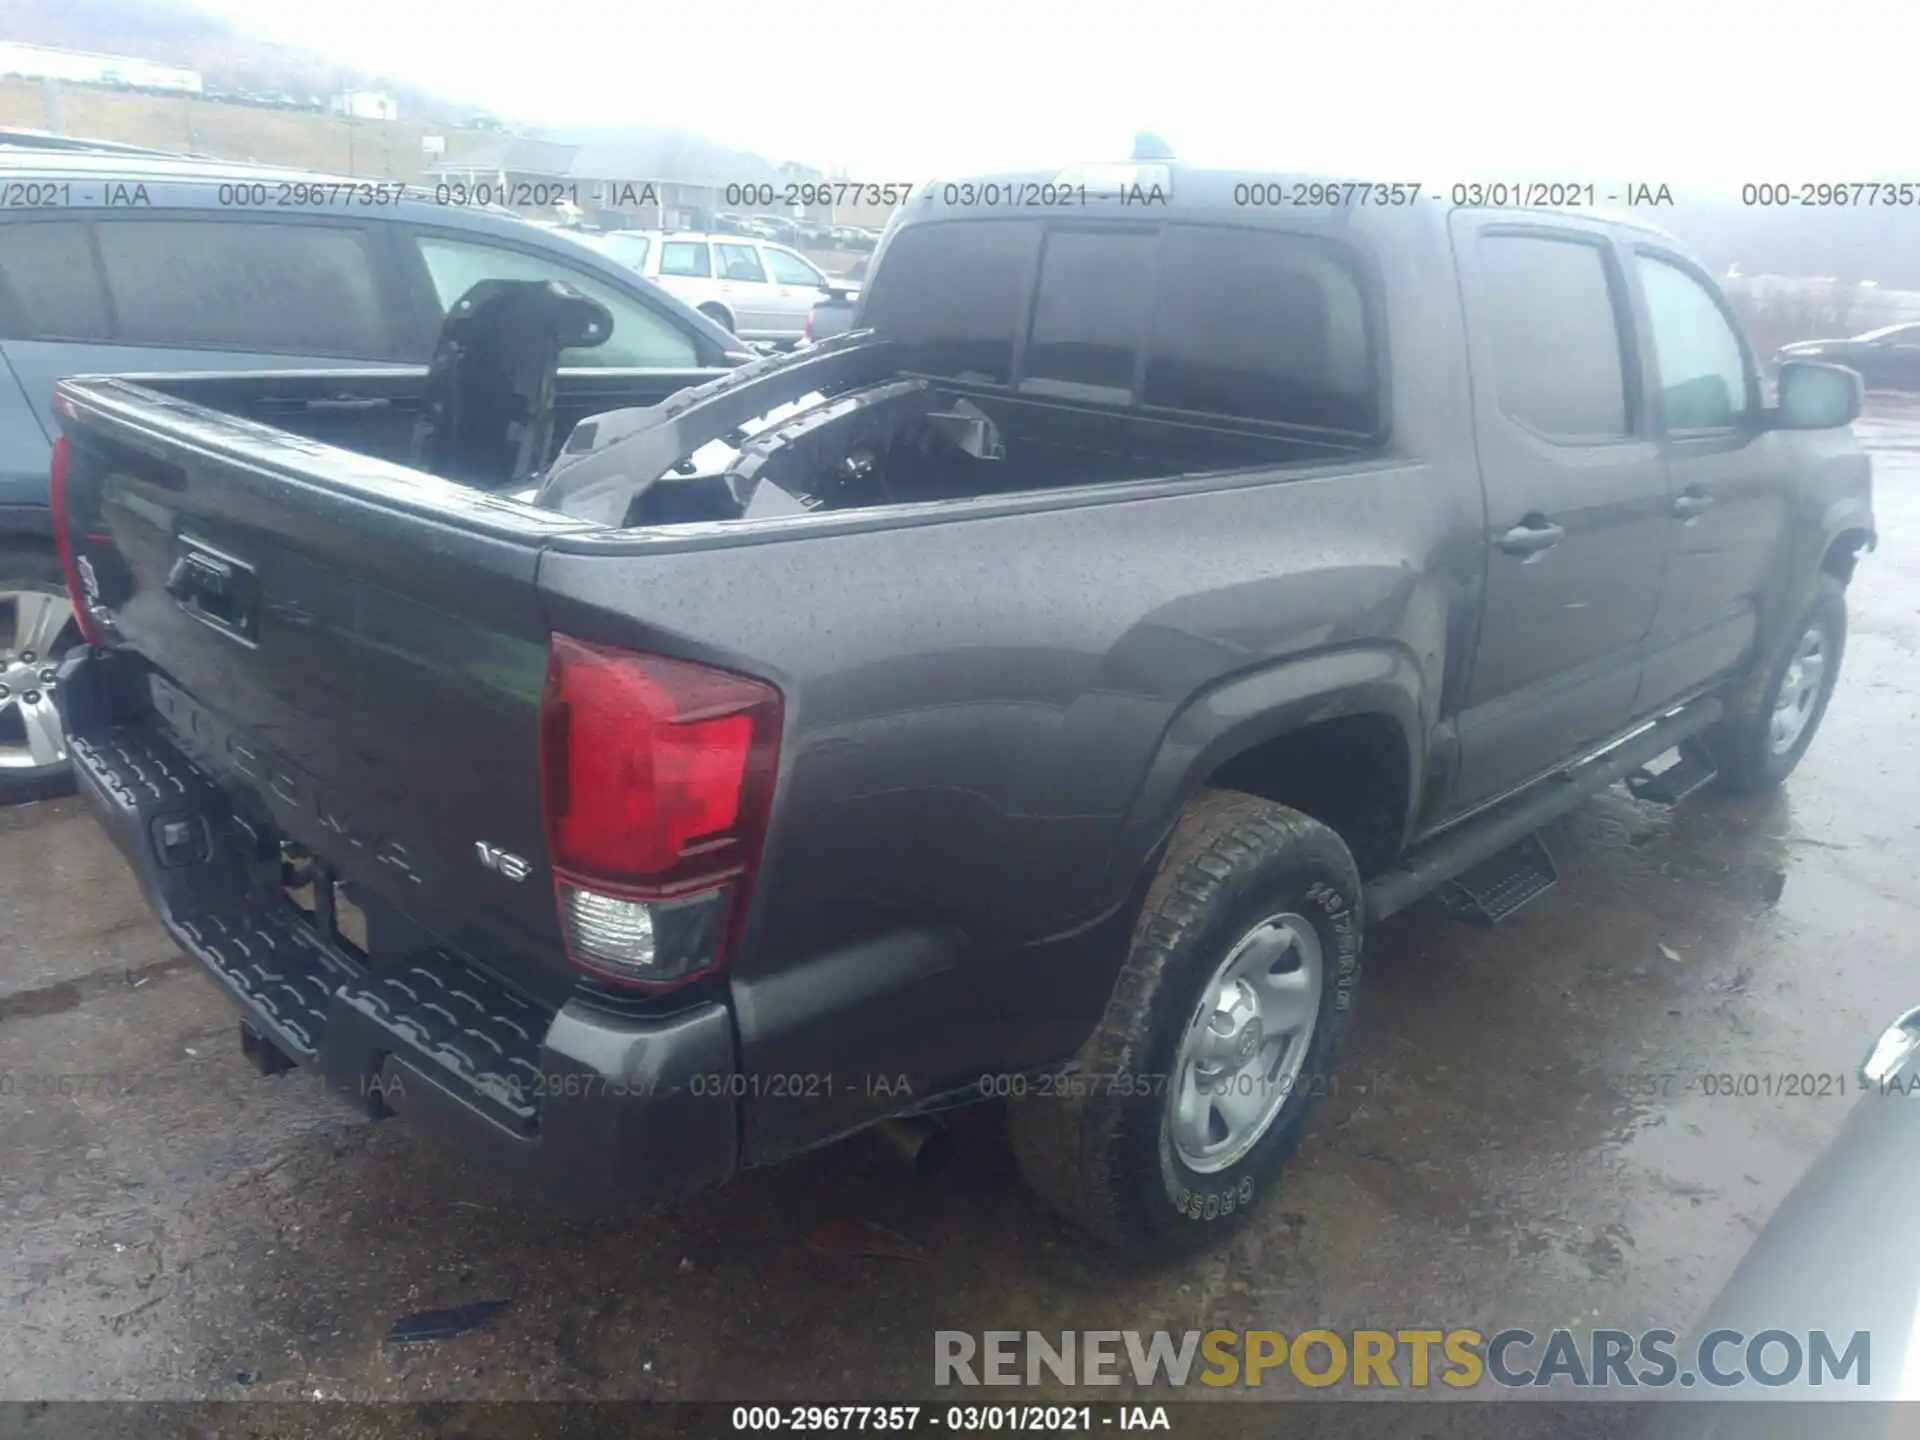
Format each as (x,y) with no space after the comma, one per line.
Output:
(1095,1144)
(1740,743)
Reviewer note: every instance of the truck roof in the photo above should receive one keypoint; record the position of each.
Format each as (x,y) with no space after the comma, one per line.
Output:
(1125,190)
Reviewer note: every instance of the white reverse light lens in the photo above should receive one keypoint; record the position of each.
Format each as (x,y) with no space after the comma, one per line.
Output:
(606,930)
(647,940)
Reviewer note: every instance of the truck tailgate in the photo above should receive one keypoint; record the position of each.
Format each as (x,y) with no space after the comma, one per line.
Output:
(353,651)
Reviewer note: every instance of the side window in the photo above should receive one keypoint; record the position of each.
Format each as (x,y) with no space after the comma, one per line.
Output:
(627,249)
(738,262)
(686,258)
(641,338)
(1262,327)
(1703,371)
(49,288)
(298,289)
(1090,315)
(1557,360)
(789,269)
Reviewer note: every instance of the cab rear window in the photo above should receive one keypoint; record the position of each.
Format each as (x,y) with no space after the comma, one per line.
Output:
(1208,319)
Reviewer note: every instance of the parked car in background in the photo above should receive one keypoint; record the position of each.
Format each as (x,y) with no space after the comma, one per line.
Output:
(777,227)
(757,289)
(208,269)
(725,222)
(852,237)
(1887,358)
(834,315)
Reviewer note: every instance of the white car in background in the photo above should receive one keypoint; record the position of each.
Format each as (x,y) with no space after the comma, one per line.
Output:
(757,289)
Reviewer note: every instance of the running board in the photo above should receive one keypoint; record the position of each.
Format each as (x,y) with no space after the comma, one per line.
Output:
(1454,851)
(1501,884)
(1669,786)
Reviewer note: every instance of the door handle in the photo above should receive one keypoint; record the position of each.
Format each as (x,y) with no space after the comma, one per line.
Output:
(1532,535)
(1691,504)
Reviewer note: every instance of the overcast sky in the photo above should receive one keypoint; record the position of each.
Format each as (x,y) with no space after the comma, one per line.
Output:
(906,89)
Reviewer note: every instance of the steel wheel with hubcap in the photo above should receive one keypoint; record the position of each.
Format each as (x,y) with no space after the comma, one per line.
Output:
(1221,1034)
(1775,715)
(36,629)
(1800,690)
(1246,1043)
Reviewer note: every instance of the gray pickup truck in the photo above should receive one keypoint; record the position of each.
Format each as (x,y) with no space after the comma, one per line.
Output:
(1034,693)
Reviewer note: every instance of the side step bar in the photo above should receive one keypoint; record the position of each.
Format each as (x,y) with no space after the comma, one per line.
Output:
(1454,852)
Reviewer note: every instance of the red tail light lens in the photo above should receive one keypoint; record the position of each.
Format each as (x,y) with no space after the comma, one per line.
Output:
(63,541)
(806,332)
(658,775)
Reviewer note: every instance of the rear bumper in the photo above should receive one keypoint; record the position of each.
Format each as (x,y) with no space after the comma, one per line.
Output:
(588,1109)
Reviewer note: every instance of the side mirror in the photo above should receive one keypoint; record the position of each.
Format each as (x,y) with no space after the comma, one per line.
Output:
(1818,396)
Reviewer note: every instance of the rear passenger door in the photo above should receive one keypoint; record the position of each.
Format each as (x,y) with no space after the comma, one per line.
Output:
(1576,498)
(742,283)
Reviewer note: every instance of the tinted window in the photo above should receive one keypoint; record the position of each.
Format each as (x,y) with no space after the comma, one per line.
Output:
(1703,372)
(641,338)
(304,289)
(954,295)
(49,282)
(789,269)
(738,262)
(1091,312)
(1555,336)
(1261,326)
(684,257)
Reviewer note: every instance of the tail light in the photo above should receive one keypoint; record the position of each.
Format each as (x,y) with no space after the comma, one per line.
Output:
(657,776)
(806,332)
(63,541)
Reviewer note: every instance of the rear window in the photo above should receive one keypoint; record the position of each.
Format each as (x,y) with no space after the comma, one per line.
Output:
(49,288)
(1262,327)
(1091,313)
(303,289)
(1251,324)
(954,295)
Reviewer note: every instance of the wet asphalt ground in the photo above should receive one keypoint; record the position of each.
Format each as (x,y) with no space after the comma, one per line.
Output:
(1532,1130)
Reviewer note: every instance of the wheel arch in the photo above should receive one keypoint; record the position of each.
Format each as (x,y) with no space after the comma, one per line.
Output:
(1292,733)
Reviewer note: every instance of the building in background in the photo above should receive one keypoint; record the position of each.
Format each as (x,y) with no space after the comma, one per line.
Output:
(624,176)
(509,166)
(82,67)
(364,105)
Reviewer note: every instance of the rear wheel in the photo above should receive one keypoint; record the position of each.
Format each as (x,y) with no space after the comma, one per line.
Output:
(36,629)
(719,317)
(1775,721)
(1221,1034)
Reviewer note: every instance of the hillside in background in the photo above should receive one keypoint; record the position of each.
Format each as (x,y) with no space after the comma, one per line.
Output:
(178,34)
